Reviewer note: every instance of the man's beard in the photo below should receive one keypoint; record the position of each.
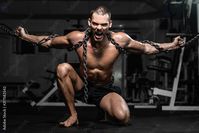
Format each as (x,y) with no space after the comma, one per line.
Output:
(99,35)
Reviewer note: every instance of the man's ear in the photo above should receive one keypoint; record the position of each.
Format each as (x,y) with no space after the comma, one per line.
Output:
(89,22)
(110,25)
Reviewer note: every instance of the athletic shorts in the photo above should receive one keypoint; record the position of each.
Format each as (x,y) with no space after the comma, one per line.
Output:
(96,93)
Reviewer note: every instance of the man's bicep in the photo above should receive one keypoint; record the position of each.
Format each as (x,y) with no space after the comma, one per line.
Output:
(62,41)
(135,46)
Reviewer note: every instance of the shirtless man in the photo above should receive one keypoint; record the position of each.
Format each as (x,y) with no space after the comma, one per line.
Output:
(101,56)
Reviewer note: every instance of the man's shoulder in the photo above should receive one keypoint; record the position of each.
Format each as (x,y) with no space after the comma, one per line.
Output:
(76,34)
(120,37)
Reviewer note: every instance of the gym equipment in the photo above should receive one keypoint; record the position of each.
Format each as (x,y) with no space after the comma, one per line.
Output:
(172,94)
(26,90)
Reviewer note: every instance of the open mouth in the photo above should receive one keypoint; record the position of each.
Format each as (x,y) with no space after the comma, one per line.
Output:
(98,35)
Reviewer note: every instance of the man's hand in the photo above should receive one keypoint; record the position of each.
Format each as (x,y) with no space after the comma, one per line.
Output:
(177,42)
(20,32)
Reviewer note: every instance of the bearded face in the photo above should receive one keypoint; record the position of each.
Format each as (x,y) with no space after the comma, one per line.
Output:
(99,25)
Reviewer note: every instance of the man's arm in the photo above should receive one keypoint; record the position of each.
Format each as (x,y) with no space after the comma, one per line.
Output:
(46,41)
(148,47)
(152,47)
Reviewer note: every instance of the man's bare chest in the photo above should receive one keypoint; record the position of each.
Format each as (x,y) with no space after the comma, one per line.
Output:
(101,58)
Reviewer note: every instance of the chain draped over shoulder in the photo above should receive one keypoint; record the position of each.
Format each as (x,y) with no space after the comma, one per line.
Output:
(84,41)
(86,37)
(117,46)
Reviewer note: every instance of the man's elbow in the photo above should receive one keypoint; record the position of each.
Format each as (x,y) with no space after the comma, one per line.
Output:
(47,44)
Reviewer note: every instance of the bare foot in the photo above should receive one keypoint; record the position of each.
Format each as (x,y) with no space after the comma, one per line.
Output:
(72,120)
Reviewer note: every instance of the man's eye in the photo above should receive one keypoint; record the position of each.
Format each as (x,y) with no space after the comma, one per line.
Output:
(104,25)
(95,24)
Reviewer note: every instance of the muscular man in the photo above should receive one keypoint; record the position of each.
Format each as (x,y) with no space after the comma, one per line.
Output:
(103,49)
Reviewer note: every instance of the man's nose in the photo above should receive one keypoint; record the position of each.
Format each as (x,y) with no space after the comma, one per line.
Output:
(99,27)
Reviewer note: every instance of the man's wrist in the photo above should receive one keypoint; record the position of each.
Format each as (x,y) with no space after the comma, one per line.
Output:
(24,37)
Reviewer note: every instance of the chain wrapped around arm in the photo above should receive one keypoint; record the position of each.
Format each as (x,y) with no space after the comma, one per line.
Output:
(156,45)
(8,30)
(76,46)
(42,41)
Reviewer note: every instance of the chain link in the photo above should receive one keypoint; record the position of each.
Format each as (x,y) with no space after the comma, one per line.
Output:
(117,46)
(85,72)
(7,29)
(156,45)
(161,50)
(85,76)
(190,41)
(42,41)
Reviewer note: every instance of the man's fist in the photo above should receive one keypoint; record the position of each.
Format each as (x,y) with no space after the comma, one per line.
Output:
(178,42)
(20,31)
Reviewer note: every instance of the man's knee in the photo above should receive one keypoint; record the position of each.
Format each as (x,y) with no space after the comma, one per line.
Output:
(123,116)
(63,70)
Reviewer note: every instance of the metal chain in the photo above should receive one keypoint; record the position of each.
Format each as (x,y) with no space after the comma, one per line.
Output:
(117,46)
(42,41)
(85,76)
(85,72)
(80,43)
(84,43)
(7,29)
(190,41)
(76,46)
(156,45)
(161,50)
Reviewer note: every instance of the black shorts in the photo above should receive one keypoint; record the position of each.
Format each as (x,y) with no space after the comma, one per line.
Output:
(95,94)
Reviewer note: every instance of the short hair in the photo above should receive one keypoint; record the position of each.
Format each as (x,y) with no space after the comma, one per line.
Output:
(101,10)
